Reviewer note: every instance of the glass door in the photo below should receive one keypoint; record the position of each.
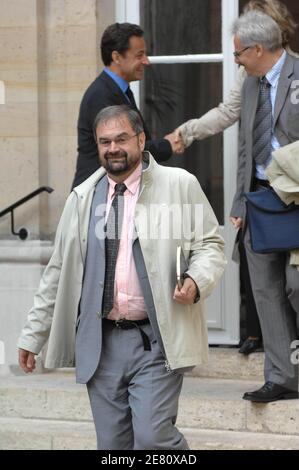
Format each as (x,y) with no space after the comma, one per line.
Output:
(177,88)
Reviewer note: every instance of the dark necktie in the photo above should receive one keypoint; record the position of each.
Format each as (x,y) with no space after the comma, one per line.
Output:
(130,95)
(262,130)
(113,235)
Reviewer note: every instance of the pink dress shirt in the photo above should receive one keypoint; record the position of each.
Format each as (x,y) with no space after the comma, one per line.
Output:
(128,298)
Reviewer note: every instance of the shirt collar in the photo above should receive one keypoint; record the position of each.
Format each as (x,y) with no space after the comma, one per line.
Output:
(273,75)
(123,85)
(132,182)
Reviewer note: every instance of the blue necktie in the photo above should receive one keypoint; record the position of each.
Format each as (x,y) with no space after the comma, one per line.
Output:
(130,95)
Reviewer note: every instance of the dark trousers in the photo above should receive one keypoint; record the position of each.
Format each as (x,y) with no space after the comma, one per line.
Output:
(253,327)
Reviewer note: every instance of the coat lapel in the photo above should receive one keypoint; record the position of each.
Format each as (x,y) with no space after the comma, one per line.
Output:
(113,88)
(250,109)
(91,193)
(284,84)
(98,214)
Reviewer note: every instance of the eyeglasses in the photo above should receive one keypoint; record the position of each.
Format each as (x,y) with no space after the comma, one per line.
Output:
(119,141)
(238,53)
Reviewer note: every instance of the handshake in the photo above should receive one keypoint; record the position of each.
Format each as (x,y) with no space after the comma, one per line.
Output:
(176,141)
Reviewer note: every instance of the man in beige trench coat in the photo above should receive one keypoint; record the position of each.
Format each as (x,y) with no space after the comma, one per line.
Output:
(137,332)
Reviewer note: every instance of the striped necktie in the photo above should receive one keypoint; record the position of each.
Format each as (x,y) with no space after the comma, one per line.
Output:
(262,130)
(113,235)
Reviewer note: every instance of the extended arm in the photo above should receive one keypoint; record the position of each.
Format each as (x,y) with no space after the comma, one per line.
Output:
(217,119)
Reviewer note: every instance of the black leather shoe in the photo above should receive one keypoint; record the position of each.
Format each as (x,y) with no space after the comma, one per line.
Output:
(270,392)
(251,345)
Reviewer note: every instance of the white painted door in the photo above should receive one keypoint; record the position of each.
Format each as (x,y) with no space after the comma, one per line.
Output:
(178,68)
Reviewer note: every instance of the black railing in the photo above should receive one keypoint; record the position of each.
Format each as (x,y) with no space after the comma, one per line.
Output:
(23,232)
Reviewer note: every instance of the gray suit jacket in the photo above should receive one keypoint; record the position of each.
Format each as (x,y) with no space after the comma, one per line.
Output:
(286,125)
(89,325)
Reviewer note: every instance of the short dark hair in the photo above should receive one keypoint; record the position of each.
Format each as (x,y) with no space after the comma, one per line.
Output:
(116,37)
(116,111)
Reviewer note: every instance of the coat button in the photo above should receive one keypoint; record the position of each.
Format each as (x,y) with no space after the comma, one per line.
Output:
(99,314)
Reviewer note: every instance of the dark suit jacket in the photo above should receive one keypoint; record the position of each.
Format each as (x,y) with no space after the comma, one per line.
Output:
(101,93)
(286,125)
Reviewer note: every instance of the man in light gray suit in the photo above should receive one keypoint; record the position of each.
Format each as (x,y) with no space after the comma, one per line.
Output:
(114,263)
(269,120)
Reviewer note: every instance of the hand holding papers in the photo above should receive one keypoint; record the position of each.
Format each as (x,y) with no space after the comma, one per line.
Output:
(181,266)
(186,291)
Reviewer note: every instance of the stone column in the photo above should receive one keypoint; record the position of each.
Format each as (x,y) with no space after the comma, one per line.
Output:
(49,54)
(19,130)
(67,58)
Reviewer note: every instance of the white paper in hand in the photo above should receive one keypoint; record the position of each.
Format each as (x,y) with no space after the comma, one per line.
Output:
(181,266)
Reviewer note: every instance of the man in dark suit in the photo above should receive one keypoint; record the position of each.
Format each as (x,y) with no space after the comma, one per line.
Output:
(123,52)
(269,120)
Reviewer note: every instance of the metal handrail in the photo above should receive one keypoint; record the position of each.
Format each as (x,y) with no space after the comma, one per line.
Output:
(23,232)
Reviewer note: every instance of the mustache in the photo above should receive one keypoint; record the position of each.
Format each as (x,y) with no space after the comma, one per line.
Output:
(120,153)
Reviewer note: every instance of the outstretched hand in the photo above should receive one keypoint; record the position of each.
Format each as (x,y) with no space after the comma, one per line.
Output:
(176,142)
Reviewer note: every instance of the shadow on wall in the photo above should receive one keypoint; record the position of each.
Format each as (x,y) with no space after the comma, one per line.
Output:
(2,92)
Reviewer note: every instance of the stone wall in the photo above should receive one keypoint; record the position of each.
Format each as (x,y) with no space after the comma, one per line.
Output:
(21,267)
(49,53)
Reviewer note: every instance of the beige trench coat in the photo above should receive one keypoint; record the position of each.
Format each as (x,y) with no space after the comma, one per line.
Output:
(183,328)
(283,174)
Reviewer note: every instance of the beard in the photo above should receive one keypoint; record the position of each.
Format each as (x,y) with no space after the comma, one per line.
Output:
(120,162)
(116,163)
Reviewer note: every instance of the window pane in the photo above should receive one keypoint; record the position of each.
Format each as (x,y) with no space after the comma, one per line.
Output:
(175,27)
(172,94)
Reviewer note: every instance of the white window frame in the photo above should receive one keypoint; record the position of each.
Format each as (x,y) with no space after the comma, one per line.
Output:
(128,10)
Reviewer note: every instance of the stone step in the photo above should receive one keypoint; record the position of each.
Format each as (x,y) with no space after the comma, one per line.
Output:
(228,363)
(53,396)
(218,404)
(224,363)
(214,404)
(206,439)
(33,434)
